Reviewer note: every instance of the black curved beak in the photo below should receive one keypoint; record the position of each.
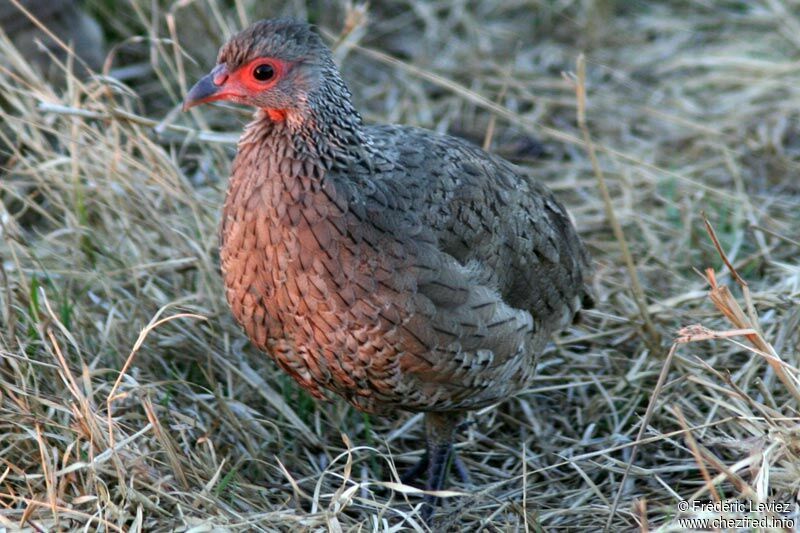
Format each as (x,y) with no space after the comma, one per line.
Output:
(208,89)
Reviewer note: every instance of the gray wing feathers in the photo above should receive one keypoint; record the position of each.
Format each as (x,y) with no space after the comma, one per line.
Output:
(497,263)
(483,210)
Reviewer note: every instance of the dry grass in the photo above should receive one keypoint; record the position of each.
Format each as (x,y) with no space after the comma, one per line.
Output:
(130,401)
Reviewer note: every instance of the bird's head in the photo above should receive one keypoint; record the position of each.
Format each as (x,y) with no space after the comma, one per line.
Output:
(276,65)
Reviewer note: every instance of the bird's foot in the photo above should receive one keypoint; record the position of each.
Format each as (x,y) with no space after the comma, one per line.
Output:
(413,475)
(463,426)
(445,458)
(439,458)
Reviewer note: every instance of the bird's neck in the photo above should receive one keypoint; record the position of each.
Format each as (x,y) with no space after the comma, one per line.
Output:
(324,129)
(290,156)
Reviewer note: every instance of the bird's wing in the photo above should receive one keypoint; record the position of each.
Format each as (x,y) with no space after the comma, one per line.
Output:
(488,215)
(495,264)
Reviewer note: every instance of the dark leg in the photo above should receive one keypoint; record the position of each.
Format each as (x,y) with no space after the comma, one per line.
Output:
(461,469)
(439,429)
(439,458)
(411,475)
(437,473)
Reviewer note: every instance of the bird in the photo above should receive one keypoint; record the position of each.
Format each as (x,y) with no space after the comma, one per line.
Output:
(395,267)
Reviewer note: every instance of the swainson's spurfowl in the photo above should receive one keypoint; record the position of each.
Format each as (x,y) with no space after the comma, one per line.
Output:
(396,267)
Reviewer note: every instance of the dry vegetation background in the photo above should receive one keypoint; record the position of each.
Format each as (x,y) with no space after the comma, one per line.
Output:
(129,400)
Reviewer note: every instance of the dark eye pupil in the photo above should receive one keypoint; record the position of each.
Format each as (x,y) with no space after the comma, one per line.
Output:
(263,72)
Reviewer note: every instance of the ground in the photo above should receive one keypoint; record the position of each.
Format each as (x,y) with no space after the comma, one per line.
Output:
(129,400)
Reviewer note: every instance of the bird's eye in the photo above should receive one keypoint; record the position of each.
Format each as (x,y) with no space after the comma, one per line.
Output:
(263,72)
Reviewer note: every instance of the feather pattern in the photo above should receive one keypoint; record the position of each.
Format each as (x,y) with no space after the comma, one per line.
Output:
(393,266)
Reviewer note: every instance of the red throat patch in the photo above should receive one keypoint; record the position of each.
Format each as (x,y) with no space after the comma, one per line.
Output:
(277,115)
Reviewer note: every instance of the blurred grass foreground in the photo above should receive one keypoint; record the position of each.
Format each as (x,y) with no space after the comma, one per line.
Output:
(130,401)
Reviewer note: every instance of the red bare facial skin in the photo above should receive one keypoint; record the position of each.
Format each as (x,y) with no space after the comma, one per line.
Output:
(236,86)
